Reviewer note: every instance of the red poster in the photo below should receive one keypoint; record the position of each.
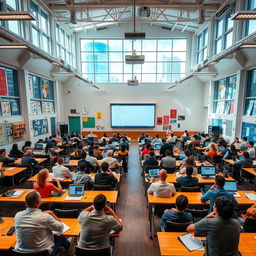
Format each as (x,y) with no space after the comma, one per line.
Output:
(232,110)
(166,120)
(159,120)
(173,113)
(3,83)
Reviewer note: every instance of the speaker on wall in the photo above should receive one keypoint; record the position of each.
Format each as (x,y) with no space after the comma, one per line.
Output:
(63,128)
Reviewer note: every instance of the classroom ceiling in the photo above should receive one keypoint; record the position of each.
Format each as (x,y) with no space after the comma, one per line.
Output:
(81,15)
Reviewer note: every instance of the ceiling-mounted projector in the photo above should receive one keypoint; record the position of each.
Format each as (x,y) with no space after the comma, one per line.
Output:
(134,59)
(134,35)
(133,82)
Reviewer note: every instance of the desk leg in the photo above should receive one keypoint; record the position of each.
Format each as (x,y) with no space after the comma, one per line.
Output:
(150,219)
(13,182)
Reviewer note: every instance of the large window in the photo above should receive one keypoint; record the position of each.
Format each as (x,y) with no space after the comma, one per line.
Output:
(63,45)
(224,91)
(224,31)
(40,28)
(103,61)
(250,97)
(250,25)
(202,41)
(9,96)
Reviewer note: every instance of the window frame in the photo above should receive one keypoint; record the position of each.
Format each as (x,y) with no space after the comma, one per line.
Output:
(249,99)
(202,46)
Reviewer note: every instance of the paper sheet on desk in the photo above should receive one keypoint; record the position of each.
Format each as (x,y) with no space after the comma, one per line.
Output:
(191,243)
(17,193)
(251,196)
(65,228)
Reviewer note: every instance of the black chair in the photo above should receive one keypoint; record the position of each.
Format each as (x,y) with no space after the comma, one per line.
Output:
(102,187)
(70,213)
(250,225)
(190,189)
(176,227)
(170,170)
(197,214)
(42,253)
(85,252)
(218,162)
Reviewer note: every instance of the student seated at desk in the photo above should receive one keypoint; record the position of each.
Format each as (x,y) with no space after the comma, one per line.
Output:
(90,158)
(81,177)
(5,159)
(244,144)
(113,163)
(187,155)
(104,137)
(103,143)
(142,137)
(194,142)
(29,160)
(34,228)
(222,142)
(162,188)
(61,171)
(217,190)
(106,176)
(27,145)
(151,160)
(79,151)
(15,152)
(145,151)
(189,162)
(110,146)
(236,143)
(90,167)
(45,188)
(188,180)
(125,143)
(96,222)
(251,150)
(157,140)
(168,163)
(212,141)
(97,153)
(123,156)
(250,213)
(178,214)
(213,151)
(166,146)
(172,139)
(246,162)
(221,229)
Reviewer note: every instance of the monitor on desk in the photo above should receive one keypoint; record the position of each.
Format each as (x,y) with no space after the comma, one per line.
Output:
(153,172)
(39,146)
(105,154)
(207,143)
(158,146)
(76,190)
(208,171)
(230,186)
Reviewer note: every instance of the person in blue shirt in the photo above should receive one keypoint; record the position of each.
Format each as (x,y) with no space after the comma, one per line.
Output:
(217,190)
(151,160)
(177,214)
(188,181)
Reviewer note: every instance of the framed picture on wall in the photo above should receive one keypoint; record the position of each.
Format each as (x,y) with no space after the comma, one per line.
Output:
(36,107)
(45,88)
(6,107)
(15,107)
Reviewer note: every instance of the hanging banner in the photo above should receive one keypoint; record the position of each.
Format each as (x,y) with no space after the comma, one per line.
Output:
(173,113)
(166,119)
(159,120)
(3,82)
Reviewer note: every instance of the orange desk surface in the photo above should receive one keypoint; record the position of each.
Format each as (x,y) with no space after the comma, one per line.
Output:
(250,170)
(11,171)
(198,163)
(88,197)
(171,246)
(39,160)
(194,198)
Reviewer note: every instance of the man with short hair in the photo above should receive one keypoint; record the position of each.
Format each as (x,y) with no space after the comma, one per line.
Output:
(251,150)
(221,230)
(162,188)
(113,163)
(60,171)
(222,142)
(168,162)
(34,228)
(89,166)
(96,222)
(81,177)
(106,177)
(246,162)
(187,155)
(93,160)
(177,214)
(151,160)
(125,143)
(5,159)
(188,180)
(217,190)
(166,146)
(157,140)
(29,160)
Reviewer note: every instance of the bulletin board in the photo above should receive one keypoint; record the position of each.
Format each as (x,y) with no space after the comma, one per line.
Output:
(40,127)
(6,133)
(89,122)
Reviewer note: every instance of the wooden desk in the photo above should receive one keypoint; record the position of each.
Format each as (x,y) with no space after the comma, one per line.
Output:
(12,171)
(231,162)
(171,246)
(198,163)
(74,162)
(38,152)
(251,171)
(39,160)
(56,151)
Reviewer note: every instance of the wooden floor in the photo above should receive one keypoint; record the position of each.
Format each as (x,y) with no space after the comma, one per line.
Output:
(134,239)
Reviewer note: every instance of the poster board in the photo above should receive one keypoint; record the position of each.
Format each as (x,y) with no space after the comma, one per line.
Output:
(2,134)
(6,107)
(90,123)
(48,107)
(36,107)
(40,127)
(6,133)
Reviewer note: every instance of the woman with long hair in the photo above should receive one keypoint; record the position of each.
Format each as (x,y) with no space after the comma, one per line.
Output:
(213,151)
(26,146)
(44,187)
(15,152)
(189,162)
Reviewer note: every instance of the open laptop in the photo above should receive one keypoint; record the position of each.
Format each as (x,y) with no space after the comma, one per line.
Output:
(182,156)
(153,173)
(231,186)
(66,159)
(75,192)
(105,154)
(206,143)
(39,146)
(115,143)
(240,157)
(208,172)
(158,146)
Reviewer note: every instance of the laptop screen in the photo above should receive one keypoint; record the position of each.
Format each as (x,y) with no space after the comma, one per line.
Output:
(153,172)
(207,170)
(115,143)
(66,159)
(77,190)
(206,143)
(230,186)
(158,146)
(240,157)
(39,146)
(105,154)
(182,156)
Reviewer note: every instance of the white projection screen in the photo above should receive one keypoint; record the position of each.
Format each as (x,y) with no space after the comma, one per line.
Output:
(132,115)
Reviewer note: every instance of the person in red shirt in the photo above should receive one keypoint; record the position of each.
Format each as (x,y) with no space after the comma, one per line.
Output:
(145,151)
(45,188)
(213,151)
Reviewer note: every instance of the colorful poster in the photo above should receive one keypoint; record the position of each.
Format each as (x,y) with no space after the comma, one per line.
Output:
(159,120)
(2,134)
(30,86)
(232,110)
(181,118)
(6,108)
(90,123)
(36,107)
(48,107)
(166,120)
(40,127)
(45,88)
(85,119)
(98,115)
(173,113)
(15,107)
(173,121)
(3,82)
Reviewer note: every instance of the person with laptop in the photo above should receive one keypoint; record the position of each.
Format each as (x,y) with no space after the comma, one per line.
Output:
(168,163)
(162,188)
(151,160)
(157,140)
(106,176)
(186,156)
(172,139)
(221,229)
(81,177)
(125,143)
(177,214)
(222,142)
(188,180)
(251,150)
(189,162)
(44,187)
(245,162)
(34,228)
(217,190)
(89,166)
(244,144)
(61,171)
(5,159)
(113,163)
(96,222)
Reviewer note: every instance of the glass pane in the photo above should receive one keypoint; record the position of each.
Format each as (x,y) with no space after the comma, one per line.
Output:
(199,41)
(149,56)
(14,26)
(164,67)
(100,56)
(175,77)
(204,54)
(252,5)
(127,77)
(137,46)
(219,28)
(87,67)
(251,26)
(148,78)
(164,56)
(115,78)
(44,22)
(57,28)
(127,68)
(87,56)
(229,22)
(249,108)
(62,35)
(115,45)
(86,45)
(101,78)
(89,77)
(62,53)
(34,10)
(218,45)
(127,45)
(179,56)
(137,68)
(149,67)
(137,76)
(68,41)
(115,67)
(221,89)
(149,45)
(100,45)
(101,67)
(179,45)
(251,84)
(164,45)
(35,37)
(115,56)
(12,4)
(178,67)
(229,38)
(163,78)
(45,41)
(205,38)
(199,57)
(36,87)
(15,107)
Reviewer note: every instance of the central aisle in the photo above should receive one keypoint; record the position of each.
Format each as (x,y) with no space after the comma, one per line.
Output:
(134,239)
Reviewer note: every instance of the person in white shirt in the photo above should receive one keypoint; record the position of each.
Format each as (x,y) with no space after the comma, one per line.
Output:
(105,137)
(157,140)
(236,143)
(251,149)
(34,228)
(113,163)
(244,143)
(162,188)
(60,171)
(171,139)
(90,158)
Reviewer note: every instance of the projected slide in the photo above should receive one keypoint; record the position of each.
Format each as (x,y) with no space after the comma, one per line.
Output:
(132,115)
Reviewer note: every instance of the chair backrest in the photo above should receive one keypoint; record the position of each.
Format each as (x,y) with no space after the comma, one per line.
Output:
(250,225)
(217,159)
(102,187)
(198,213)
(42,253)
(70,213)
(85,252)
(190,189)
(176,227)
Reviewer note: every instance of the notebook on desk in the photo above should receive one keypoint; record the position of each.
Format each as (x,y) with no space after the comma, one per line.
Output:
(191,243)
(75,192)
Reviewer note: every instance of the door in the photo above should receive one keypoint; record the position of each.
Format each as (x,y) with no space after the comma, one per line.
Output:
(74,124)
(53,126)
